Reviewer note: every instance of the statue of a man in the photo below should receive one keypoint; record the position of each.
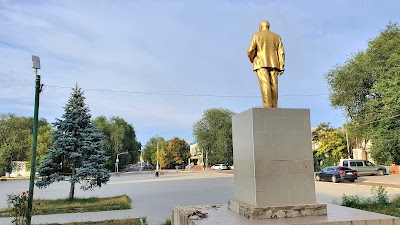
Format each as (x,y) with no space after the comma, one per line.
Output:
(268,57)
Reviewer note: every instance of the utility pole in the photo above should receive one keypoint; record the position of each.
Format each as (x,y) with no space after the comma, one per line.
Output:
(207,156)
(38,89)
(157,158)
(202,159)
(348,145)
(141,159)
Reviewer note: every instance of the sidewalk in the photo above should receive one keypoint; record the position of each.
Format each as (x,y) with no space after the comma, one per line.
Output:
(392,181)
(80,217)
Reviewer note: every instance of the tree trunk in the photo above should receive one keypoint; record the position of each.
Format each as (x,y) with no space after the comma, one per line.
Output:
(72,191)
(364,150)
(72,187)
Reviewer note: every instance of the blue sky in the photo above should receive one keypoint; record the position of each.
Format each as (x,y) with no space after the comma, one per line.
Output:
(176,47)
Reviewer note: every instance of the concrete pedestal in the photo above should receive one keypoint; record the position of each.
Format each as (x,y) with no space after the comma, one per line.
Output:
(273,160)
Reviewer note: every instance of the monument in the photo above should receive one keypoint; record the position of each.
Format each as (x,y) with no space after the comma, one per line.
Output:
(268,57)
(272,147)
(272,155)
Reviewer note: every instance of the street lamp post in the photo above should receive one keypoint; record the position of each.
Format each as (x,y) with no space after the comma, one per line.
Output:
(38,89)
(117,160)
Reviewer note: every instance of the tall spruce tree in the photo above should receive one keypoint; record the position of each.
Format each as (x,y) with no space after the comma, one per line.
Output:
(76,150)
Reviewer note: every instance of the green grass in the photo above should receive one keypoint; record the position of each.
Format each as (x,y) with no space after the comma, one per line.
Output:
(105,222)
(77,205)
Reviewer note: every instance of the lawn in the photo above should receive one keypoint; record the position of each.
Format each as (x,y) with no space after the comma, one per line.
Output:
(77,205)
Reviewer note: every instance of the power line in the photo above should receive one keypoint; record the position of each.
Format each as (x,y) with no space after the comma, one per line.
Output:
(179,94)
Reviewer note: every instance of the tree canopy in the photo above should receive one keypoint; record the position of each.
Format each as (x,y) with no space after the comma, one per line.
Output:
(150,150)
(76,150)
(331,142)
(177,152)
(119,136)
(16,139)
(367,89)
(213,133)
(170,153)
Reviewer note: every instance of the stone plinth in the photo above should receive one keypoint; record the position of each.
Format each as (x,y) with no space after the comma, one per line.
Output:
(273,159)
(268,212)
(337,215)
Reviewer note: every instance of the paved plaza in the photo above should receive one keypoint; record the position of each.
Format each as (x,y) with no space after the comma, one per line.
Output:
(155,197)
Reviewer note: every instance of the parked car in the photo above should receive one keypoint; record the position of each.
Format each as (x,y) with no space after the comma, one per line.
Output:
(148,167)
(182,166)
(363,167)
(336,174)
(219,167)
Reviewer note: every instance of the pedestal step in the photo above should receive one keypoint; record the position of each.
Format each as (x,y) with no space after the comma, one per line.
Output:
(259,213)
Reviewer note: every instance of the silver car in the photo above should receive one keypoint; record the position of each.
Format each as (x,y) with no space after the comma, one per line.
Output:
(363,167)
(219,167)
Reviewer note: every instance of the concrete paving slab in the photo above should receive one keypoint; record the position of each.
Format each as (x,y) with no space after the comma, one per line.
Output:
(337,215)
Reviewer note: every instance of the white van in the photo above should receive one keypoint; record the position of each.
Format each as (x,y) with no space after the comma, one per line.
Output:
(363,167)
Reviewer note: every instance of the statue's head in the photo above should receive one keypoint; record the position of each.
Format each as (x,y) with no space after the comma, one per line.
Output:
(264,25)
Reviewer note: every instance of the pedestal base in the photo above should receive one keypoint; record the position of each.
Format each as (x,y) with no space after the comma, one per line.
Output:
(259,213)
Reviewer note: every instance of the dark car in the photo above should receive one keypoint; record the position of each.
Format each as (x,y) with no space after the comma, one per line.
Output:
(148,167)
(336,174)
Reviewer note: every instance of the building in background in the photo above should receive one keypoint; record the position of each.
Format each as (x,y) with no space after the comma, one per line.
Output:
(196,155)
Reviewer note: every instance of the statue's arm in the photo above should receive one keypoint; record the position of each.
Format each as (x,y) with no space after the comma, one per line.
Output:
(252,51)
(281,56)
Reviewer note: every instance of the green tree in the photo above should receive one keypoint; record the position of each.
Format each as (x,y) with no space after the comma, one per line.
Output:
(319,132)
(150,149)
(16,139)
(43,143)
(76,150)
(119,136)
(213,133)
(366,87)
(331,142)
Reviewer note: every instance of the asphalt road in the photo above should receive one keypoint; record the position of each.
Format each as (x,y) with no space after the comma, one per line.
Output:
(155,197)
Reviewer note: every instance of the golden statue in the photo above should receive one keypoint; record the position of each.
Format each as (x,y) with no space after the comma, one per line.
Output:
(268,57)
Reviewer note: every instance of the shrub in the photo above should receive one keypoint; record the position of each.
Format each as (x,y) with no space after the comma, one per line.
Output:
(378,201)
(354,201)
(379,196)
(19,203)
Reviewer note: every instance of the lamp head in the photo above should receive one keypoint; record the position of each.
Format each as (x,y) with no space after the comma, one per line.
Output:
(35,62)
